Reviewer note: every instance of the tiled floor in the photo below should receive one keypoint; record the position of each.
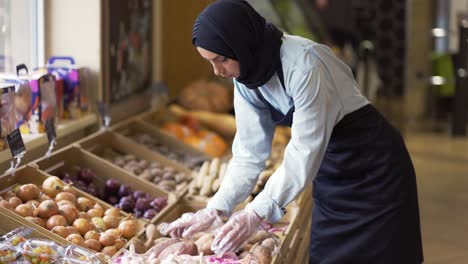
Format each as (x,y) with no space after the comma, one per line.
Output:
(441,164)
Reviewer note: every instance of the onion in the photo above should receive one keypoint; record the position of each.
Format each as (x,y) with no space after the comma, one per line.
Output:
(150,214)
(33,203)
(69,212)
(107,240)
(56,220)
(27,192)
(124,190)
(69,188)
(92,235)
(44,197)
(8,195)
(72,230)
(93,244)
(37,221)
(109,250)
(5,204)
(64,202)
(94,213)
(129,228)
(65,196)
(47,209)
(82,225)
(76,239)
(24,210)
(112,186)
(86,175)
(84,204)
(113,211)
(15,201)
(111,221)
(143,204)
(52,186)
(98,223)
(83,215)
(61,231)
(113,232)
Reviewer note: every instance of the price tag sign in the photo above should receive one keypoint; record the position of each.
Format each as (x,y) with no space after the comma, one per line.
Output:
(103,110)
(50,129)
(15,141)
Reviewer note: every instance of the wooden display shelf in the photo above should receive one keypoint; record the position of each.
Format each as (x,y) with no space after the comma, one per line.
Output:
(35,141)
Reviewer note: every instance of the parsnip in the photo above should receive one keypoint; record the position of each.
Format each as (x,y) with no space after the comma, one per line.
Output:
(202,173)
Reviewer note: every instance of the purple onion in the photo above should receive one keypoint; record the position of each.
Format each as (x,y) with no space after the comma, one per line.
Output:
(64,175)
(86,175)
(138,194)
(143,204)
(159,203)
(112,199)
(112,186)
(150,214)
(124,190)
(138,213)
(127,205)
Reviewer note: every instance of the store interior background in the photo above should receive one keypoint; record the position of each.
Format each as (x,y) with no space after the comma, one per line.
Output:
(406,54)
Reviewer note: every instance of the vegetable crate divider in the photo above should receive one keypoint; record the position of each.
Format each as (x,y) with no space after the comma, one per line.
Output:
(298,237)
(99,142)
(291,218)
(69,158)
(31,174)
(136,126)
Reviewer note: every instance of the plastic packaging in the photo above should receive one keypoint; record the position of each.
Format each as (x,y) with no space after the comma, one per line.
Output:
(8,253)
(17,236)
(79,255)
(41,251)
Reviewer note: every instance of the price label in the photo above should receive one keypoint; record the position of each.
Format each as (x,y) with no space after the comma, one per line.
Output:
(15,141)
(50,129)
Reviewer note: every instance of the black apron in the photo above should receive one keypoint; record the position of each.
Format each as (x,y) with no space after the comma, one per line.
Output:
(365,196)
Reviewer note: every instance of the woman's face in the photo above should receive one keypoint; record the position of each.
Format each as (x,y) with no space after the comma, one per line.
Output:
(222,66)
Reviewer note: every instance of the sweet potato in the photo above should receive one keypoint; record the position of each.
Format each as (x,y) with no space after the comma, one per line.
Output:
(158,248)
(262,253)
(179,248)
(269,243)
(204,244)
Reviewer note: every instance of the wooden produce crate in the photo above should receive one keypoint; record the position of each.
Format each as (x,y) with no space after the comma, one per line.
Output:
(290,220)
(69,159)
(190,135)
(164,173)
(30,174)
(166,145)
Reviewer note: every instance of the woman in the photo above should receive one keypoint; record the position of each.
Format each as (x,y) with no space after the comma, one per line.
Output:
(364,186)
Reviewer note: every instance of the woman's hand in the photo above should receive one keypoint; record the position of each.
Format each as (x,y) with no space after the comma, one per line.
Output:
(191,223)
(236,231)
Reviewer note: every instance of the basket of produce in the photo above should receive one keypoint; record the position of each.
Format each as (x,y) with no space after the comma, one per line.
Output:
(140,161)
(188,130)
(101,179)
(64,212)
(266,245)
(155,140)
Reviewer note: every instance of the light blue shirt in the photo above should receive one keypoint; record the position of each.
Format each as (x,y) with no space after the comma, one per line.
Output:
(322,90)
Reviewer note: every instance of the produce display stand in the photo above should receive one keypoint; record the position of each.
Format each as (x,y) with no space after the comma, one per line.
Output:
(87,152)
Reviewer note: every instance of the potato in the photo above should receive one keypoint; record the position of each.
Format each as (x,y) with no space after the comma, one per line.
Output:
(204,244)
(179,248)
(262,253)
(269,243)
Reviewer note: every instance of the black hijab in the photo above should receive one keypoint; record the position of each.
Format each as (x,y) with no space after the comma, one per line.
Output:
(232,28)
